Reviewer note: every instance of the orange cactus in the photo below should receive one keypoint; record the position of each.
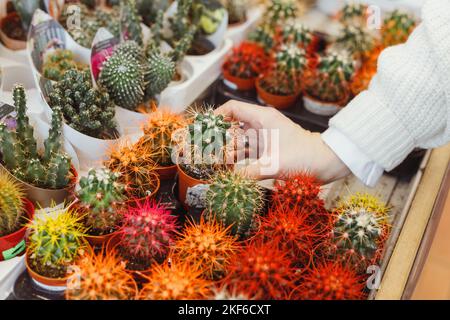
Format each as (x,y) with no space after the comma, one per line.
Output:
(101,277)
(136,168)
(206,245)
(175,280)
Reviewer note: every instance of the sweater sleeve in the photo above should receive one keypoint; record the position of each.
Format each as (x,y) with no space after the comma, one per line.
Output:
(407,103)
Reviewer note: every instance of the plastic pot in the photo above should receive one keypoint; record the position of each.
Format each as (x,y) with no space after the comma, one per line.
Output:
(322,108)
(236,82)
(11,43)
(13,244)
(184,183)
(273,100)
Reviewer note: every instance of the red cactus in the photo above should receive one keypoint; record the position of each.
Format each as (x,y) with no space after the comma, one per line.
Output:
(330,281)
(262,271)
(148,232)
(246,61)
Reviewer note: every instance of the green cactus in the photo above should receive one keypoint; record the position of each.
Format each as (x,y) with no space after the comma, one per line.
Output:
(19,152)
(264,36)
(352,13)
(85,108)
(357,40)
(181,22)
(279,11)
(100,196)
(131,46)
(211,14)
(297,33)
(131,21)
(11,205)
(55,242)
(58,62)
(160,72)
(396,28)
(235,201)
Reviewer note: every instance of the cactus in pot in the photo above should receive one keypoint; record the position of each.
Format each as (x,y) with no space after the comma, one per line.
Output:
(396,28)
(279,11)
(264,36)
(295,32)
(20,155)
(357,40)
(58,62)
(353,13)
(100,197)
(85,108)
(11,205)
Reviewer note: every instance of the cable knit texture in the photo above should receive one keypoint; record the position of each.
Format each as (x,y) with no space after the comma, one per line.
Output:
(407,104)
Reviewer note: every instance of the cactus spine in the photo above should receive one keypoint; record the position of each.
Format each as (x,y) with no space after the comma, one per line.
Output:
(246,61)
(11,205)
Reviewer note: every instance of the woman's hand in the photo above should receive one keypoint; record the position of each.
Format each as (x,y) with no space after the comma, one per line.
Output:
(283,147)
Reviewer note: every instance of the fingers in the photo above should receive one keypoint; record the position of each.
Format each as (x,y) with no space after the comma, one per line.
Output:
(244,112)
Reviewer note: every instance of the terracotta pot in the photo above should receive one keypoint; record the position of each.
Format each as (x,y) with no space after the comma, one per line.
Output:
(167,173)
(44,197)
(11,43)
(99,241)
(276,101)
(184,182)
(236,82)
(322,108)
(13,244)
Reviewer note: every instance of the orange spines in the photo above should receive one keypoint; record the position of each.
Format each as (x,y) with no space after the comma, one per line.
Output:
(296,191)
(101,277)
(262,271)
(246,61)
(207,246)
(330,281)
(175,280)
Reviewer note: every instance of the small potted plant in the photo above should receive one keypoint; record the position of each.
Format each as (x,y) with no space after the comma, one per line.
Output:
(157,140)
(357,40)
(45,176)
(147,234)
(136,170)
(203,149)
(327,86)
(295,32)
(280,11)
(100,199)
(396,28)
(265,36)
(353,13)
(243,66)
(56,240)
(281,86)
(101,276)
(58,62)
(15,210)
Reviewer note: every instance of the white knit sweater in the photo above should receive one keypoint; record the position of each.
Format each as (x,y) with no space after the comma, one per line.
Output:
(407,104)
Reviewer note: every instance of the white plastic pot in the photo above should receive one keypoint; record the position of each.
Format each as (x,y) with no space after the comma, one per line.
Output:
(319,107)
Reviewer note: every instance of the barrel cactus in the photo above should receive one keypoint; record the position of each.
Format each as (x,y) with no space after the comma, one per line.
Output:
(11,204)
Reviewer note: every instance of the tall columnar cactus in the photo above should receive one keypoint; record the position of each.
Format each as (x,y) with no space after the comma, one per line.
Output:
(360,229)
(130,21)
(100,197)
(101,277)
(295,32)
(357,40)
(330,81)
(11,205)
(235,201)
(19,149)
(148,233)
(207,246)
(58,62)
(181,22)
(85,108)
(246,61)
(157,138)
(55,241)
(123,77)
(279,11)
(353,13)
(396,28)
(175,280)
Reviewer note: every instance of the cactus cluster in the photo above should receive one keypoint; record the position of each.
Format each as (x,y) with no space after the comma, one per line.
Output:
(148,233)
(264,36)
(207,246)
(353,13)
(175,280)
(237,10)
(295,32)
(101,277)
(85,108)
(330,80)
(357,40)
(246,61)
(235,201)
(396,28)
(55,241)
(58,62)
(130,21)
(100,197)
(52,168)
(279,11)
(11,205)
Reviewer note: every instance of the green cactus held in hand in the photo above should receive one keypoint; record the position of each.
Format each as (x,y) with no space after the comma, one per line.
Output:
(11,205)
(131,22)
(235,200)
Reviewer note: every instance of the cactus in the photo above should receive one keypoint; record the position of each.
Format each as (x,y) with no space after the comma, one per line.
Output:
(357,40)
(396,28)
(58,62)
(353,13)
(246,61)
(11,205)
(175,280)
(132,47)
(131,21)
(123,77)
(85,108)
(207,246)
(19,149)
(157,138)
(136,169)
(262,271)
(101,277)
(55,242)
(279,11)
(330,80)
(235,201)
(211,14)
(297,33)
(360,230)
(181,22)
(100,197)
(148,233)
(264,36)
(330,281)
(150,9)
